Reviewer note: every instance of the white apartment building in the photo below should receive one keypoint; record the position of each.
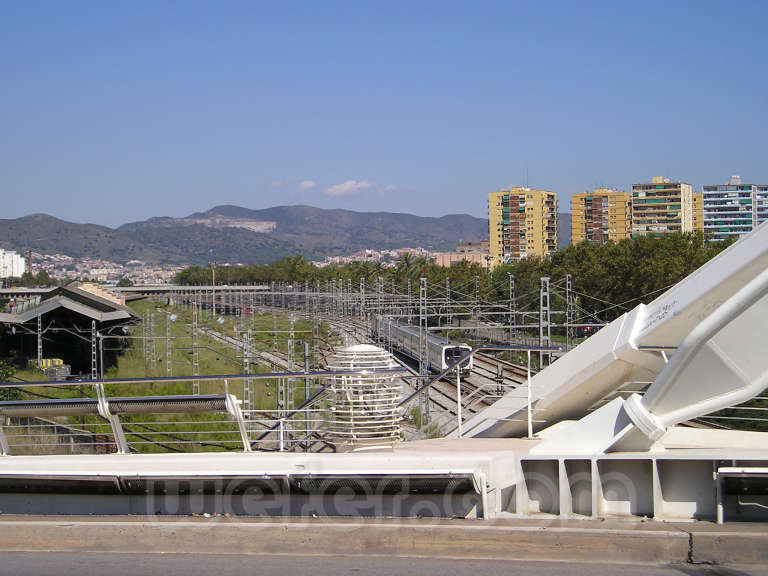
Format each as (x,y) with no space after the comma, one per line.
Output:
(12,264)
(734,209)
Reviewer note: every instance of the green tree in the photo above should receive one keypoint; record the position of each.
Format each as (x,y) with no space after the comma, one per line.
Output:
(44,279)
(6,373)
(30,280)
(124,282)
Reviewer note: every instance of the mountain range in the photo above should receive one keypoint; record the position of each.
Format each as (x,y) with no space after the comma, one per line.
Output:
(241,235)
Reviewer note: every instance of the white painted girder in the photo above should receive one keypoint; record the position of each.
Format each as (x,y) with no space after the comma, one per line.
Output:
(632,347)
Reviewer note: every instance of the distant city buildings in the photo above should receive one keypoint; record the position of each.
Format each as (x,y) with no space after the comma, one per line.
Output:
(661,207)
(12,264)
(602,215)
(734,209)
(480,247)
(522,222)
(386,257)
(472,252)
(63,267)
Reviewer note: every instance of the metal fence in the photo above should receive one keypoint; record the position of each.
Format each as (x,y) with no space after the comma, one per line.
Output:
(78,417)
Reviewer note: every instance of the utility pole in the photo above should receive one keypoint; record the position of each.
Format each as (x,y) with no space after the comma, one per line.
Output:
(545,331)
(145,338)
(94,365)
(476,317)
(274,332)
(448,300)
(410,305)
(152,349)
(512,309)
(423,356)
(195,351)
(248,391)
(307,413)
(362,299)
(291,356)
(168,349)
(570,312)
(213,289)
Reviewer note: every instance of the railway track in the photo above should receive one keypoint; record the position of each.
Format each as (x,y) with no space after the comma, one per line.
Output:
(479,389)
(489,364)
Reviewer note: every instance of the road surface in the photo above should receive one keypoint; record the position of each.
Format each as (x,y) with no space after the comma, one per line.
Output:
(99,564)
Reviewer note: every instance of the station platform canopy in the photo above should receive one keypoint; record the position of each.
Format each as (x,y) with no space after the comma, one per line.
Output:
(81,299)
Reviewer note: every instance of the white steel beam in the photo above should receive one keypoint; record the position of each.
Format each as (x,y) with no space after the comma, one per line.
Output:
(628,349)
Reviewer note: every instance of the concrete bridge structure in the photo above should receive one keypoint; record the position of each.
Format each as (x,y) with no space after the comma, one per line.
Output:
(580,443)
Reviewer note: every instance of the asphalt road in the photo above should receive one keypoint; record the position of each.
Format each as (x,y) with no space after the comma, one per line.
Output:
(100,564)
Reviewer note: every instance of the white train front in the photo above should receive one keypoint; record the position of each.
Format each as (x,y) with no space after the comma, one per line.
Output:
(441,352)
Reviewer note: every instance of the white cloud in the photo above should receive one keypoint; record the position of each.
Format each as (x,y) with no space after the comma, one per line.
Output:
(349,188)
(278,185)
(390,188)
(307,184)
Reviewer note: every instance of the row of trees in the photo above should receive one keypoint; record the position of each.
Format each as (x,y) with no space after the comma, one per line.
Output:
(29,280)
(614,277)
(608,279)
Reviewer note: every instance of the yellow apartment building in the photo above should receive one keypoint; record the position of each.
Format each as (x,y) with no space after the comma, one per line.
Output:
(698,211)
(522,222)
(602,215)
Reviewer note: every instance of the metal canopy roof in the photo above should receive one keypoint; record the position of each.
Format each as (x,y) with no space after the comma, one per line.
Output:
(72,298)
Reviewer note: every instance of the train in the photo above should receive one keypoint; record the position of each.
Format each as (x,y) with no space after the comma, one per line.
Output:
(441,352)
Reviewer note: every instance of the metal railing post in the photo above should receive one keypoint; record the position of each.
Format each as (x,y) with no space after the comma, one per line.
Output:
(234,410)
(114,421)
(458,399)
(5,450)
(528,386)
(719,493)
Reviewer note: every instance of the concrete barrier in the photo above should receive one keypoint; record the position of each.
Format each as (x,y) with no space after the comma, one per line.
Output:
(566,541)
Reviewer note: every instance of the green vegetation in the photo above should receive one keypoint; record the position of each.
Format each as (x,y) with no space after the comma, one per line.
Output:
(623,274)
(124,282)
(188,432)
(297,269)
(29,280)
(7,371)
(612,278)
(214,358)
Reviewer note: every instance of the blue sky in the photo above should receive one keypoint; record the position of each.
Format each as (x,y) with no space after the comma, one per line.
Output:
(117,111)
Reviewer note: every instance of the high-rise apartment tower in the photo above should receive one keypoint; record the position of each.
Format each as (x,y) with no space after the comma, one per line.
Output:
(600,216)
(734,208)
(661,207)
(522,222)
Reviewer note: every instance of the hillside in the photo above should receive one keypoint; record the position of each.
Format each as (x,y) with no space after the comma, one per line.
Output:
(50,235)
(234,234)
(321,232)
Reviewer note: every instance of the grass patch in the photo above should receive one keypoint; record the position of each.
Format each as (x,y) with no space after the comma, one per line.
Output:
(135,359)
